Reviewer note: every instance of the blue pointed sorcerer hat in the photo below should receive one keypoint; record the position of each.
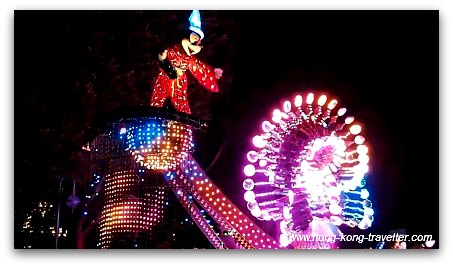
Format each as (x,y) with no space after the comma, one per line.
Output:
(195,23)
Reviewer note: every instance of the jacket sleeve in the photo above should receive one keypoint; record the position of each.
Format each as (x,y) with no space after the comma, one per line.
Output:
(166,66)
(204,74)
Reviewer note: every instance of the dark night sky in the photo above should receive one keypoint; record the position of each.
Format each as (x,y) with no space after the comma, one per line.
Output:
(382,65)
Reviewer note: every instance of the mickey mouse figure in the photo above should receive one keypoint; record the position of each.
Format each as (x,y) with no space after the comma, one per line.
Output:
(175,61)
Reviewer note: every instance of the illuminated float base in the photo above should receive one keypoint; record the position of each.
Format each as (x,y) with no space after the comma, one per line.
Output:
(158,144)
(130,199)
(127,212)
(135,176)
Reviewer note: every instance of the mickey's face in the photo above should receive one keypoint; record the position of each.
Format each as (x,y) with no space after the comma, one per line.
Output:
(192,45)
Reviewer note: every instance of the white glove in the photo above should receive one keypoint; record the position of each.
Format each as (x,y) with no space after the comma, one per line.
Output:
(163,55)
(218,73)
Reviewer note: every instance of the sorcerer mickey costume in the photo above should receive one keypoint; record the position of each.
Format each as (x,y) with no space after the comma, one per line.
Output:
(175,61)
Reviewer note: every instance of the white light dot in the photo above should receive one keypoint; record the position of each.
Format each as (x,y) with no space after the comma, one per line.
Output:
(335,209)
(276,116)
(430,243)
(256,212)
(258,141)
(349,120)
(332,104)
(310,98)
(248,184)
(322,100)
(267,126)
(287,106)
(362,149)
(355,129)
(341,111)
(359,140)
(249,170)
(252,156)
(298,101)
(249,196)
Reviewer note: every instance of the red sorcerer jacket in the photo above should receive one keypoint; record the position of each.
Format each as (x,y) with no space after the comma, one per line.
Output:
(175,87)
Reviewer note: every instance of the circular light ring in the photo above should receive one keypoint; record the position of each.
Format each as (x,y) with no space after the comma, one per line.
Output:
(309,159)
